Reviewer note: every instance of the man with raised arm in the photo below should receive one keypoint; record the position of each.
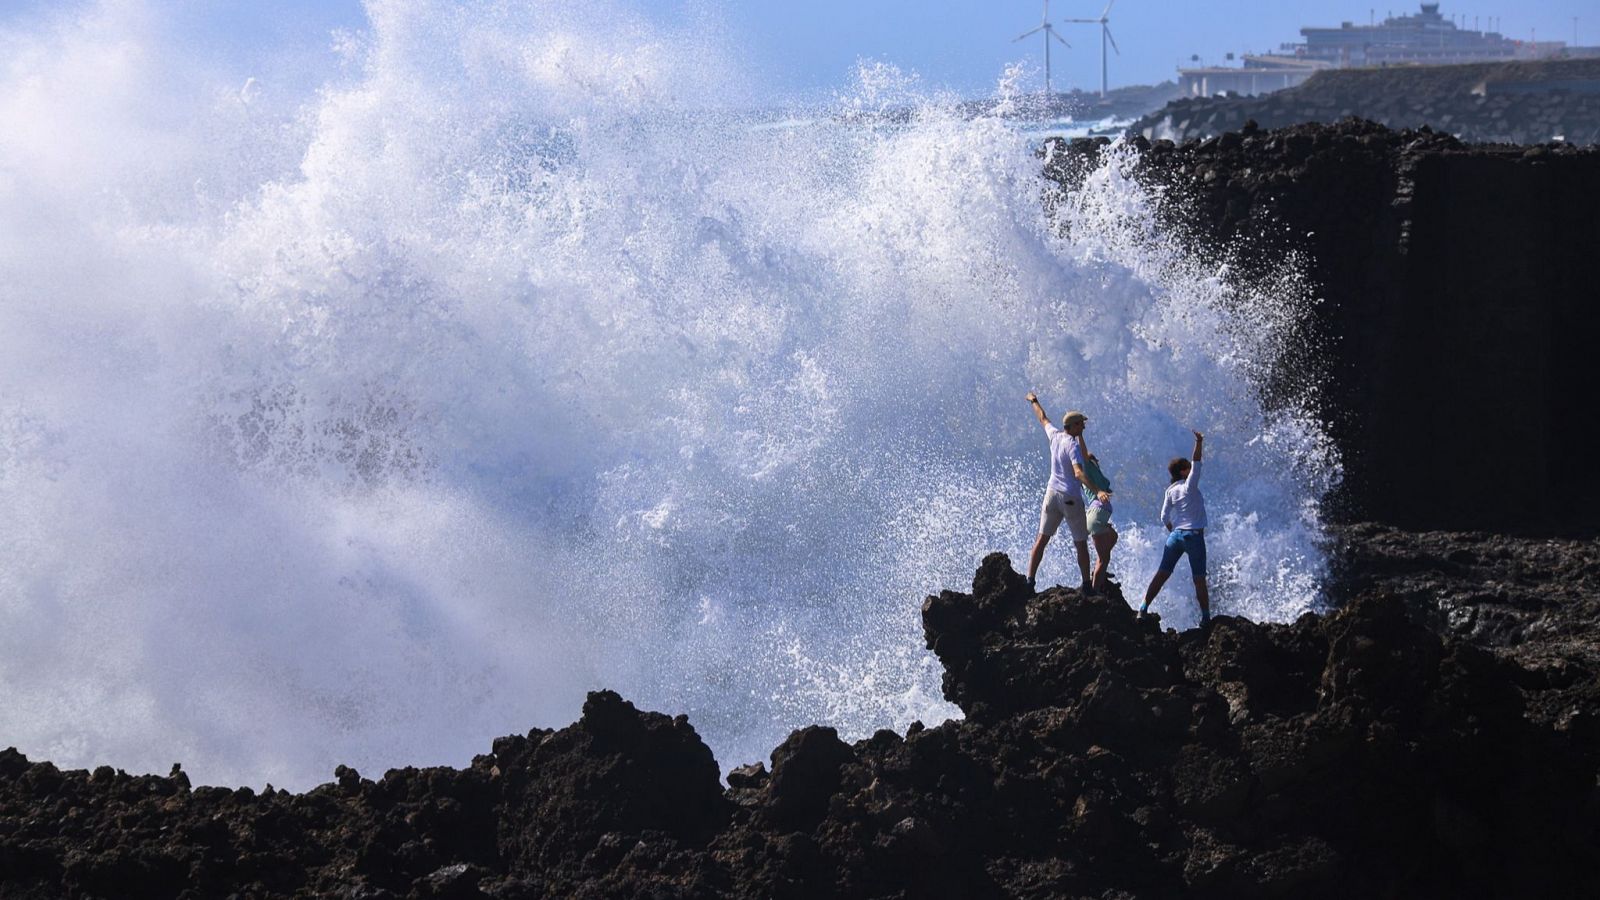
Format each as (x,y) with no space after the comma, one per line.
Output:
(1183,511)
(1063,496)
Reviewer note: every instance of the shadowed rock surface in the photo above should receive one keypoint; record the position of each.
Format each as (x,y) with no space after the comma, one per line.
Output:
(1460,290)
(1435,737)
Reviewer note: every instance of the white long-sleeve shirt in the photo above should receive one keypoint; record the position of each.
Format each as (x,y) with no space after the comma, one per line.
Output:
(1184,506)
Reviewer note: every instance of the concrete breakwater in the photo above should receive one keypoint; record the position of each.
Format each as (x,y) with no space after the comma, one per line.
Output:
(1460,290)
(1514,103)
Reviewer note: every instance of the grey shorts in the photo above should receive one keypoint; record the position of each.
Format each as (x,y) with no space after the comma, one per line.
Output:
(1059,505)
(1099,517)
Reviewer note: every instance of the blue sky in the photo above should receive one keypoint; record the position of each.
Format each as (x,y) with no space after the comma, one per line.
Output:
(809,48)
(965,43)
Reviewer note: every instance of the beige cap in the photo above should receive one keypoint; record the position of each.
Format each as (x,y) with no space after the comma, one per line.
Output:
(1073,418)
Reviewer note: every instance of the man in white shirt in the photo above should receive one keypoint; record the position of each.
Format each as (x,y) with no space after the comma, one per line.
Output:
(1183,511)
(1063,496)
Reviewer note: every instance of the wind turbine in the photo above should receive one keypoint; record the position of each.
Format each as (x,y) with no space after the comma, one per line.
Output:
(1105,35)
(1049,32)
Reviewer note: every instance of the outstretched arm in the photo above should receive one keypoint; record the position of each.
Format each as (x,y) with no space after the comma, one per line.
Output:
(1038,411)
(1194,470)
(1083,479)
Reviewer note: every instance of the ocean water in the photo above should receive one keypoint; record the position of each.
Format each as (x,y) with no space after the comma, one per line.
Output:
(388,396)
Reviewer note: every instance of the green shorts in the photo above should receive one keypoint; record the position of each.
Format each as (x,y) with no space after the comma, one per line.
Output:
(1099,517)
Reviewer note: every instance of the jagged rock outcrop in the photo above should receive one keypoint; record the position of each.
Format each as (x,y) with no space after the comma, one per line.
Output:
(1432,738)
(1459,287)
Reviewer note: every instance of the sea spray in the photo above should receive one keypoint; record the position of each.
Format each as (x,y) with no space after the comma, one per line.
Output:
(366,425)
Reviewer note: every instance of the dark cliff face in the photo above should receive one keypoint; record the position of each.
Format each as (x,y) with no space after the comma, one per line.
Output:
(1461,297)
(1439,736)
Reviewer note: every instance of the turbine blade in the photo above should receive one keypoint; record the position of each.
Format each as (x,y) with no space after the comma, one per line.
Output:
(1061,39)
(1027,34)
(1112,39)
(1107,11)
(1088,21)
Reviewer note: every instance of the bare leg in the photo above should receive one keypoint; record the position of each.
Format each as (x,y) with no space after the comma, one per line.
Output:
(1036,555)
(1203,595)
(1103,542)
(1154,589)
(1083,559)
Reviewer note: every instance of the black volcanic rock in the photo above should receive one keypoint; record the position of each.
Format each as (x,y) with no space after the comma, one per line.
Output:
(601,785)
(1006,650)
(1534,603)
(806,771)
(1400,746)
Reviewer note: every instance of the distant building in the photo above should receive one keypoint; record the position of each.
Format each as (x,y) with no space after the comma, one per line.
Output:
(1425,38)
(1259,75)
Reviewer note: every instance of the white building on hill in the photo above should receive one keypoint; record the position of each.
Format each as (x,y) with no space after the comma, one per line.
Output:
(1423,38)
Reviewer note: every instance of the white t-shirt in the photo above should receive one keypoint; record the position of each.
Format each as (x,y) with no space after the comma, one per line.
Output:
(1184,506)
(1064,452)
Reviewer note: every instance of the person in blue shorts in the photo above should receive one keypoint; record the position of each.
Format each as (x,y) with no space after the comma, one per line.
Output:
(1183,511)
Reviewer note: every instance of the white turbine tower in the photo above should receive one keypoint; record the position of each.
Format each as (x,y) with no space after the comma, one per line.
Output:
(1049,32)
(1105,35)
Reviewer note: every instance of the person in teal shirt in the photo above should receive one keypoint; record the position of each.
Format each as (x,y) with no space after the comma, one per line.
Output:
(1097,493)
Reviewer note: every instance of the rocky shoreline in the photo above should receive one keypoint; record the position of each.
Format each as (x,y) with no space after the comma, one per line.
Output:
(1437,736)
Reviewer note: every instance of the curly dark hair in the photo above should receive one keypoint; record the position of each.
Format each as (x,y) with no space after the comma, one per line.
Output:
(1178,468)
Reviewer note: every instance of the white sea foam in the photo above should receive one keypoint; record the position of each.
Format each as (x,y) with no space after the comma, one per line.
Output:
(365,425)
